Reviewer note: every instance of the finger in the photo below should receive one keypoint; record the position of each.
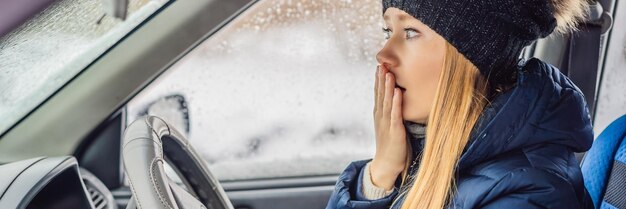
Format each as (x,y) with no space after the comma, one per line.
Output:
(376,86)
(380,90)
(389,86)
(396,109)
(376,107)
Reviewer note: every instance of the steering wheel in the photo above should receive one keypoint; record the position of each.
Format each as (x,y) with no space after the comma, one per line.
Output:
(147,143)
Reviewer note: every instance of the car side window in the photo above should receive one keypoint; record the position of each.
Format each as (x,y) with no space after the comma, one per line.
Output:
(286,89)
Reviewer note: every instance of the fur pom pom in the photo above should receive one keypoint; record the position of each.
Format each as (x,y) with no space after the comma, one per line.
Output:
(569,13)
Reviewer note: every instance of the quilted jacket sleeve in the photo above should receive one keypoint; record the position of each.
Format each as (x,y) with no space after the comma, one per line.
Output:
(348,195)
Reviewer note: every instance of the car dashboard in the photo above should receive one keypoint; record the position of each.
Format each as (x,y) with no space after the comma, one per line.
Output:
(51,183)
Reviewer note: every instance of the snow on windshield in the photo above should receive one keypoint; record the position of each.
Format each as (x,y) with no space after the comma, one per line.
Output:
(44,53)
(284,90)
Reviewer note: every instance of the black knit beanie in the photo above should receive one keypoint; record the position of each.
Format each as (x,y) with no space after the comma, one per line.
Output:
(489,33)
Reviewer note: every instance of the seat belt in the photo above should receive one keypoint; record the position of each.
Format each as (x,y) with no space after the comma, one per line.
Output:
(585,50)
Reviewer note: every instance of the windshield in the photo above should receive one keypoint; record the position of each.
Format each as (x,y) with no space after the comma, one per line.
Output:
(40,56)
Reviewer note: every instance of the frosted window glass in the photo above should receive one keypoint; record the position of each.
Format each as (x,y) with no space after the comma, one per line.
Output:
(48,50)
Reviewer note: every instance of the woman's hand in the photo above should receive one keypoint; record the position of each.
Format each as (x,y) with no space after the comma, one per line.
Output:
(391,145)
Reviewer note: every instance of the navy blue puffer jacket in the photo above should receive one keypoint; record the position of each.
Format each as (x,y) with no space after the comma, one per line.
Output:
(520,154)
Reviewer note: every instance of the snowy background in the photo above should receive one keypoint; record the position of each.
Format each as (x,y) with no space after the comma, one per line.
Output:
(284,90)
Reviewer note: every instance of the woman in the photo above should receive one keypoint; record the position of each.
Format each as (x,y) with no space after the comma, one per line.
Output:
(461,122)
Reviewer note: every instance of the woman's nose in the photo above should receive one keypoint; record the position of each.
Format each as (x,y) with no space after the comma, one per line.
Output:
(387,57)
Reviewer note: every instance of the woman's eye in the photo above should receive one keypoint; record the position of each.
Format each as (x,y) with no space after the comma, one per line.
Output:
(387,33)
(410,33)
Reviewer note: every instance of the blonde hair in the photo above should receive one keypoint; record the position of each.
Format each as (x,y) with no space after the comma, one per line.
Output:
(459,101)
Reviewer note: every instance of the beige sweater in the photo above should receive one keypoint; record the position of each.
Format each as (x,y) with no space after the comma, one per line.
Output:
(370,191)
